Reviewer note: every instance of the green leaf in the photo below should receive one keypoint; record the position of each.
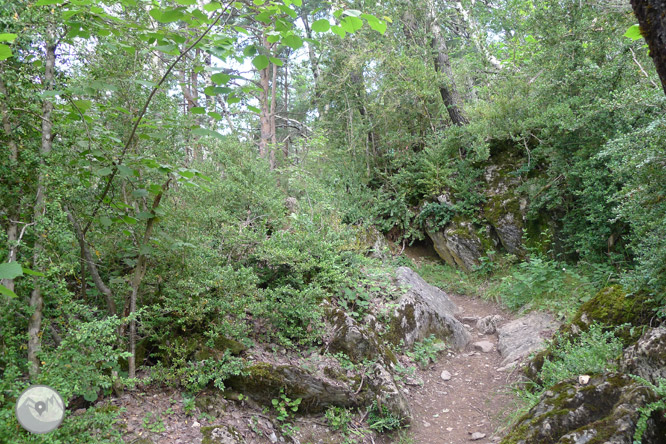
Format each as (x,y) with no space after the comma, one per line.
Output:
(10,270)
(298,3)
(90,396)
(140,193)
(321,25)
(352,12)
(220,78)
(215,90)
(5,52)
(105,221)
(634,32)
(129,220)
(249,51)
(351,24)
(144,215)
(338,31)
(293,41)
(103,171)
(290,12)
(212,6)
(215,115)
(7,292)
(49,2)
(198,110)
(125,171)
(261,62)
(7,37)
(276,61)
(207,132)
(254,109)
(186,2)
(30,272)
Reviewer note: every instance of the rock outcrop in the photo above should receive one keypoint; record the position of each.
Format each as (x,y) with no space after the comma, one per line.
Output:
(523,336)
(647,358)
(458,244)
(606,410)
(356,341)
(263,382)
(425,310)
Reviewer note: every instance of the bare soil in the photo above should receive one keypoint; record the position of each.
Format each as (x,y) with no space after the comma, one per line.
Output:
(476,399)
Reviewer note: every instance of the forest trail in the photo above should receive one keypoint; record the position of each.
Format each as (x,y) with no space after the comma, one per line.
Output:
(475,399)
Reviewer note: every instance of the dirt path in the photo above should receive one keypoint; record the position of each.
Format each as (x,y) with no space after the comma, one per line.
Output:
(477,396)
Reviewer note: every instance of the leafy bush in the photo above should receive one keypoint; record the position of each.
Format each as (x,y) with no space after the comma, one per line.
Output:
(381,419)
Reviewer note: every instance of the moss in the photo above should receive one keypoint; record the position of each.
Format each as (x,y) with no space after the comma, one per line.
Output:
(612,306)
(226,432)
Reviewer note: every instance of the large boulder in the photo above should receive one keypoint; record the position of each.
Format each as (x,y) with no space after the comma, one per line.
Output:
(606,410)
(505,208)
(647,358)
(422,311)
(356,341)
(458,244)
(524,336)
(264,382)
(387,394)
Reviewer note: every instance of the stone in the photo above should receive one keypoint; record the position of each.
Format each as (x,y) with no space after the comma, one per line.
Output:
(221,434)
(356,341)
(458,244)
(484,346)
(425,310)
(606,411)
(583,379)
(525,335)
(477,436)
(647,358)
(489,324)
(263,382)
(388,395)
(446,376)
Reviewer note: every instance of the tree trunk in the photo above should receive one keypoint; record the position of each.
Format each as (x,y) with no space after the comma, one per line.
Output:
(447,88)
(139,273)
(651,16)
(90,264)
(36,297)
(12,211)
(476,34)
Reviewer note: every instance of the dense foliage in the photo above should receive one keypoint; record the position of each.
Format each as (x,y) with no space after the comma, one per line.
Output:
(183,179)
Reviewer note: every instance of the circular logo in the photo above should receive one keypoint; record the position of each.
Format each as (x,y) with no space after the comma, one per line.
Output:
(40,409)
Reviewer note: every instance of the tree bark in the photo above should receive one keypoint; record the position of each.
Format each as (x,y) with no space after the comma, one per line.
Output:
(447,87)
(651,16)
(139,273)
(90,264)
(12,211)
(36,297)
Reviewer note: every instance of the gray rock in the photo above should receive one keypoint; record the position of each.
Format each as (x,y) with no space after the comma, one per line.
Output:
(423,311)
(388,395)
(489,324)
(222,434)
(446,376)
(647,358)
(263,382)
(477,436)
(458,244)
(484,346)
(605,411)
(356,341)
(519,338)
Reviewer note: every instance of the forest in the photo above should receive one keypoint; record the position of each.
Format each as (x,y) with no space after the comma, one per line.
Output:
(198,196)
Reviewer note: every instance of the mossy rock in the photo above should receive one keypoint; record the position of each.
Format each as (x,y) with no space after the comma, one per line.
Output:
(612,307)
(264,382)
(357,342)
(605,410)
